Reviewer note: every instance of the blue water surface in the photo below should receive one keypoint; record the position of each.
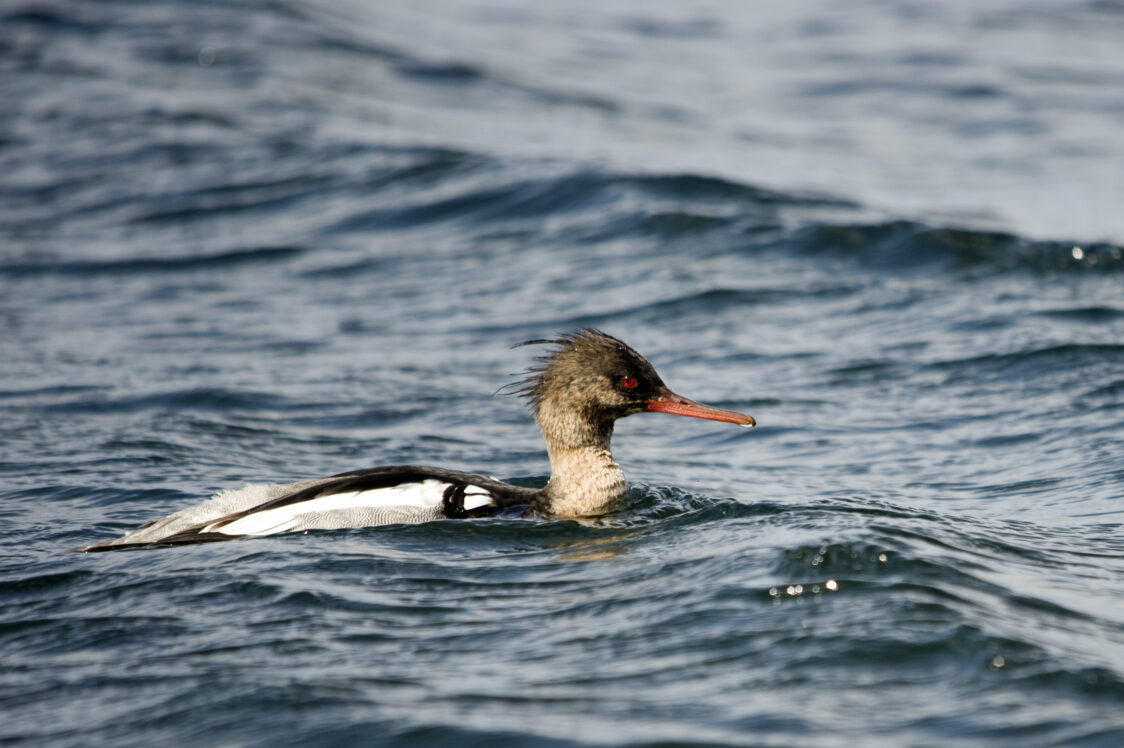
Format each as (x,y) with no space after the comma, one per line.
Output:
(284,239)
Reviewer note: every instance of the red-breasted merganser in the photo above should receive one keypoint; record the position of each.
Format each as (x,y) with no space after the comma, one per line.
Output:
(577,392)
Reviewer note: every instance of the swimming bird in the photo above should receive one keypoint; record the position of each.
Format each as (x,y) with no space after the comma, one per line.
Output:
(577,392)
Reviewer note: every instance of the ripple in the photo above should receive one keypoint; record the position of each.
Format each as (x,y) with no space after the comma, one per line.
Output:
(144,266)
(906,245)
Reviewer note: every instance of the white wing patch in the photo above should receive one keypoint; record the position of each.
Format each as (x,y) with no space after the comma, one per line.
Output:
(474,500)
(423,500)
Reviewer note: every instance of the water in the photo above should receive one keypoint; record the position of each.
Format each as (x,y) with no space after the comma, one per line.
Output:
(288,239)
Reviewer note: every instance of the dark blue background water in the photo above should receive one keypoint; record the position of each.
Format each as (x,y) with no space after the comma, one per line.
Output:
(291,238)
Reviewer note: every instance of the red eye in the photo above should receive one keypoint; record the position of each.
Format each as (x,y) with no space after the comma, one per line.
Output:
(629,382)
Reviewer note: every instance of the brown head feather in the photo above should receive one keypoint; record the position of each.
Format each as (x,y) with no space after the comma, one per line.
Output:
(585,367)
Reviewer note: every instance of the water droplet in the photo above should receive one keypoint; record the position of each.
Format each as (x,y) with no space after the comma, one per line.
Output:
(772,592)
(832,585)
(1077,253)
(882,557)
(997,662)
(206,57)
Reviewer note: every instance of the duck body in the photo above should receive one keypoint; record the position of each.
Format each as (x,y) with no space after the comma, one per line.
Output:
(360,498)
(577,392)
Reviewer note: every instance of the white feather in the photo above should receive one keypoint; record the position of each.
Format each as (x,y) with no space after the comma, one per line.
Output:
(427,494)
(476,500)
(409,502)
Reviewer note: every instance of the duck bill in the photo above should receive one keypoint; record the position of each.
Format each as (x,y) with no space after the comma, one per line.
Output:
(677,405)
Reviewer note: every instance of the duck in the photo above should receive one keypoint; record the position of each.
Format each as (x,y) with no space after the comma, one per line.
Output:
(577,391)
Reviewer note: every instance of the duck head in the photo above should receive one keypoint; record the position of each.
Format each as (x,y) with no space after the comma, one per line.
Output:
(593,379)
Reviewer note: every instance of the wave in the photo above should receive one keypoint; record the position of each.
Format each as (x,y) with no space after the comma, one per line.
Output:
(1032,364)
(413,188)
(488,192)
(194,399)
(587,205)
(917,246)
(146,265)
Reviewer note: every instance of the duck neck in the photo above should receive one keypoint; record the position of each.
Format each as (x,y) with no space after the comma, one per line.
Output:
(585,480)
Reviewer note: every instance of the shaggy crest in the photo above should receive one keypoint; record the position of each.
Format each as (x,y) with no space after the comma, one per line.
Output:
(576,356)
